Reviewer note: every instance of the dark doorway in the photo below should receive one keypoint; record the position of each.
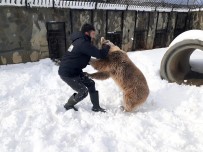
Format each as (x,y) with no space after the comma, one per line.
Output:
(56,37)
(161,35)
(140,39)
(181,21)
(115,37)
(160,39)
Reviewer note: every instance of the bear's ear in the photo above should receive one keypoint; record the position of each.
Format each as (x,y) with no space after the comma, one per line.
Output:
(102,40)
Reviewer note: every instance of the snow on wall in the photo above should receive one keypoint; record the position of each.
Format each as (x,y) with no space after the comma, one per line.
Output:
(41,3)
(111,6)
(75,5)
(88,5)
(159,9)
(181,10)
(12,2)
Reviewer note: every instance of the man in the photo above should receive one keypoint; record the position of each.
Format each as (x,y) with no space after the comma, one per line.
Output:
(74,60)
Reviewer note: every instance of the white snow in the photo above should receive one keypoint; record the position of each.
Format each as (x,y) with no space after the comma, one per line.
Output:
(32,118)
(196,61)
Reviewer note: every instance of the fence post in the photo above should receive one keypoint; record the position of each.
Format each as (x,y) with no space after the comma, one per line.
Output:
(134,35)
(26,3)
(95,5)
(71,21)
(106,22)
(127,7)
(53,3)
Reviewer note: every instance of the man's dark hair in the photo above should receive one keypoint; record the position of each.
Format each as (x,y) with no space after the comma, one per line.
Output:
(87,28)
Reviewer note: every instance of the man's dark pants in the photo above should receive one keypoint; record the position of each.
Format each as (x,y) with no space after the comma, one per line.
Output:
(82,84)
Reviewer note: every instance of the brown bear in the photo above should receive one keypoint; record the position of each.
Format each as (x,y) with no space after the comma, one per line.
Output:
(125,73)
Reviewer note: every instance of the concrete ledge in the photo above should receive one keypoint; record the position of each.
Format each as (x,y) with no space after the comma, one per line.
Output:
(18,56)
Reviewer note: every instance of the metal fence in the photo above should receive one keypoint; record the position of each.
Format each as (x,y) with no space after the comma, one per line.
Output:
(109,4)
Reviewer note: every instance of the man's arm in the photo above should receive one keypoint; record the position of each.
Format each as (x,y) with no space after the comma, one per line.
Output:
(91,50)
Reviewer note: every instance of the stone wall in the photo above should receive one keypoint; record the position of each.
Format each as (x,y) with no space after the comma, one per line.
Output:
(99,22)
(128,30)
(23,34)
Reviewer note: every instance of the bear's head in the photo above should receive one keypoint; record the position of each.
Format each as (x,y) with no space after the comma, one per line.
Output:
(115,53)
(112,46)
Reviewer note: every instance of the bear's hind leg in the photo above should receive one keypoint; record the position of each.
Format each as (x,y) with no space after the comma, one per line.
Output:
(129,101)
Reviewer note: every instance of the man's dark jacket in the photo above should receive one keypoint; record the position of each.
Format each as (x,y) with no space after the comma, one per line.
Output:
(79,55)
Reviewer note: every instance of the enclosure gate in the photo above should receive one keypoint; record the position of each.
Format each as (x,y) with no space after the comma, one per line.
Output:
(160,38)
(140,39)
(181,22)
(56,37)
(115,37)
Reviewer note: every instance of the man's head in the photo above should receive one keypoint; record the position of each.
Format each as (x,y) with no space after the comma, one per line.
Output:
(89,30)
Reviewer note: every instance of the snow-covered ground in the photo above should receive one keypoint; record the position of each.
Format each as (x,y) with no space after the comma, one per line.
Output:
(32,118)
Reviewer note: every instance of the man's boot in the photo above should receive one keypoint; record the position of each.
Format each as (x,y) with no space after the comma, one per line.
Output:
(71,102)
(94,96)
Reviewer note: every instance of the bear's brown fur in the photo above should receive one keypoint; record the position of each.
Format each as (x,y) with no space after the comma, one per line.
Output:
(124,72)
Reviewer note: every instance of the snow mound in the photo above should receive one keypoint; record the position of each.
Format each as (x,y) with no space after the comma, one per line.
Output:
(32,117)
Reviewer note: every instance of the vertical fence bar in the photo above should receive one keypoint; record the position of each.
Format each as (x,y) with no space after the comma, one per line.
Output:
(189,22)
(92,17)
(122,20)
(157,20)
(148,24)
(106,23)
(133,47)
(186,21)
(26,3)
(175,24)
(96,5)
(71,21)
(167,28)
